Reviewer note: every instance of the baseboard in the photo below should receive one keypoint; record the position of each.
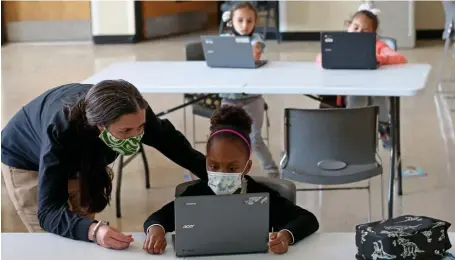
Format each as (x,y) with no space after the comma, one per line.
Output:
(434,34)
(115,39)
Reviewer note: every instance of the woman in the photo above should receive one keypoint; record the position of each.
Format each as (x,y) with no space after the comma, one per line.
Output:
(56,149)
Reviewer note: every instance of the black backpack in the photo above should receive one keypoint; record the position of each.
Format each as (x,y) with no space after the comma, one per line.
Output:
(403,238)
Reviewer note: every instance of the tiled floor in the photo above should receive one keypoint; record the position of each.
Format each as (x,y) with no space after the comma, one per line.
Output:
(428,137)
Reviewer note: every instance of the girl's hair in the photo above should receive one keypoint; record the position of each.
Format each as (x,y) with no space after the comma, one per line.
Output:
(242,5)
(235,120)
(103,105)
(373,17)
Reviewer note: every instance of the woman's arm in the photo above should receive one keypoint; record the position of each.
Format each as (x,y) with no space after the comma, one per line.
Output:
(162,135)
(53,213)
(285,215)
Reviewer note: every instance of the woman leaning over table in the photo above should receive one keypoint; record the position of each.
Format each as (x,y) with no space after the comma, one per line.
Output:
(57,148)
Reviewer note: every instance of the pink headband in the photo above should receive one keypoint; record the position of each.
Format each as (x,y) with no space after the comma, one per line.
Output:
(231,131)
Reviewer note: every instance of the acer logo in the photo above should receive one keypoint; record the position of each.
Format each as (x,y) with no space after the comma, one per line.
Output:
(188,226)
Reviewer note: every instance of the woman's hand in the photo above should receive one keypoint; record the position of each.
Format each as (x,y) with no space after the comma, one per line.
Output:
(155,243)
(110,237)
(257,51)
(279,242)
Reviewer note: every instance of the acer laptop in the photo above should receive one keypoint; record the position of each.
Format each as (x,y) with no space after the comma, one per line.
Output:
(223,224)
(229,52)
(343,50)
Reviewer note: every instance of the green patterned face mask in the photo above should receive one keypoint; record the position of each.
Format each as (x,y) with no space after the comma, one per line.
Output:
(127,146)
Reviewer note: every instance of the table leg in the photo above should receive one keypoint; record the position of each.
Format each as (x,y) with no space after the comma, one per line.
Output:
(398,147)
(393,119)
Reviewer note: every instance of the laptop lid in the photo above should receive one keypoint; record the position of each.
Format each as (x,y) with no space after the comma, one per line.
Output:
(343,50)
(228,51)
(216,225)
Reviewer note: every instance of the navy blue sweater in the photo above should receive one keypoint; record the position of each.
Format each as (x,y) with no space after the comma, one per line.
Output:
(40,138)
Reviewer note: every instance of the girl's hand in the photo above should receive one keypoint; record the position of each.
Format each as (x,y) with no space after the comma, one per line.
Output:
(257,51)
(279,242)
(110,237)
(155,243)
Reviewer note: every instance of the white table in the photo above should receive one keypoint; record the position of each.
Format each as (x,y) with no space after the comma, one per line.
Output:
(276,77)
(281,77)
(44,246)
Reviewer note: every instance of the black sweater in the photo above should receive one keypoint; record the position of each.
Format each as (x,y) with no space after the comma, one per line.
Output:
(40,138)
(283,213)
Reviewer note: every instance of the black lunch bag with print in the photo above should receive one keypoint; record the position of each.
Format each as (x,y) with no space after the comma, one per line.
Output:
(403,238)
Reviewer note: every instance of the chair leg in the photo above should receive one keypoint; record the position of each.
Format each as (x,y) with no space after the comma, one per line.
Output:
(267,126)
(184,117)
(119,184)
(146,167)
(266,27)
(277,24)
(444,56)
(369,200)
(382,196)
(194,131)
(221,28)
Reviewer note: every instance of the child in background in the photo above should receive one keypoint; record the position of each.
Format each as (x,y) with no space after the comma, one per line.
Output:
(366,20)
(228,163)
(242,18)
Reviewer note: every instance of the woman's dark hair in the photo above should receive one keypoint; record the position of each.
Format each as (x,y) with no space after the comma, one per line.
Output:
(234,118)
(103,104)
(374,18)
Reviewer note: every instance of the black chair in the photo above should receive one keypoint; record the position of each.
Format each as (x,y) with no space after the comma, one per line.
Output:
(285,188)
(121,164)
(264,9)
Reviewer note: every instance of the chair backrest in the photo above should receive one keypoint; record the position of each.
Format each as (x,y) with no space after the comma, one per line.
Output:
(285,188)
(315,138)
(391,42)
(194,51)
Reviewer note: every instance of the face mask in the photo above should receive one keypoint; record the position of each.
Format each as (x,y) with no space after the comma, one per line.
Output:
(127,146)
(225,183)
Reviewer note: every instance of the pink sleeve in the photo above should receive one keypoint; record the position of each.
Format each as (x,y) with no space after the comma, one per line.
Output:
(387,56)
(319,58)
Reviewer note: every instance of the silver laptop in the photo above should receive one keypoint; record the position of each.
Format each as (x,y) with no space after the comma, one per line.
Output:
(219,225)
(229,52)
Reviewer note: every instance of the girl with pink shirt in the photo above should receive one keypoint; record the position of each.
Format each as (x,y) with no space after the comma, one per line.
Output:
(366,20)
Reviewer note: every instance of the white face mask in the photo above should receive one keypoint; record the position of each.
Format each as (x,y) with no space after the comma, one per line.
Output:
(223,183)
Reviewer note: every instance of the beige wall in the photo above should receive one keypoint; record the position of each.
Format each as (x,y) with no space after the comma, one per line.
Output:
(307,16)
(429,15)
(113,17)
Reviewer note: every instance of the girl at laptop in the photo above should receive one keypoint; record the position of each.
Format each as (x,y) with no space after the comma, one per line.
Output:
(228,162)
(366,20)
(242,19)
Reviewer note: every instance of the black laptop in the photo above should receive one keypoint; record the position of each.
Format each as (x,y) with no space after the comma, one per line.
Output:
(343,50)
(229,52)
(223,224)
